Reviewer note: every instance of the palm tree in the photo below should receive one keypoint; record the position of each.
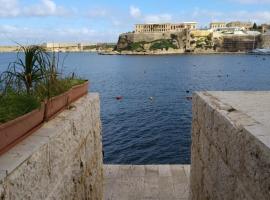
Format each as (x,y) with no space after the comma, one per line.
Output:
(26,72)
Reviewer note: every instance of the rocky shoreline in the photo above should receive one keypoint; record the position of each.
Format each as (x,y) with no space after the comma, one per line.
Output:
(165,53)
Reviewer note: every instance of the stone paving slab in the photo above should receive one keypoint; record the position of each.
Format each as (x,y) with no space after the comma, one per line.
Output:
(146,182)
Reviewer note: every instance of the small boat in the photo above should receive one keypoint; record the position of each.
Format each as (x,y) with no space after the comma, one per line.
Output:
(118,97)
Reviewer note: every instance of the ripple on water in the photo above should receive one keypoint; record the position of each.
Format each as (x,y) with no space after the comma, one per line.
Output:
(137,130)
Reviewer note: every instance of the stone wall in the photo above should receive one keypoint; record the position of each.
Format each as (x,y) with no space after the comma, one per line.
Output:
(62,160)
(128,38)
(238,43)
(265,41)
(230,146)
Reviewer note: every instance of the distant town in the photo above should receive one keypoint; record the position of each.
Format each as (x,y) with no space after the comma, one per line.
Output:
(219,37)
(170,38)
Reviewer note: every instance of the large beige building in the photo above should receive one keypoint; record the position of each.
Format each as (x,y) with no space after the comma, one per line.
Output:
(242,25)
(216,25)
(151,28)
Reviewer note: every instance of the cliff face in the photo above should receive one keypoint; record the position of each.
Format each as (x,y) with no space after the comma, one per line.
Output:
(202,41)
(142,42)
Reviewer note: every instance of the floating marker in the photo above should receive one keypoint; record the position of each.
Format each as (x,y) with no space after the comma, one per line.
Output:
(119,97)
(189,98)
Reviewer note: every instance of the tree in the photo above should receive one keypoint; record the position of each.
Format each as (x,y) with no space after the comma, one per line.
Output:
(255,27)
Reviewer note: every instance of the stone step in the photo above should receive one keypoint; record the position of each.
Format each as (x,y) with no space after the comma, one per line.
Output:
(157,182)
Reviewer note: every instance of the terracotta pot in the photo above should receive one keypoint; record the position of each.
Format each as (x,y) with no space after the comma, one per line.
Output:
(78,91)
(55,105)
(16,130)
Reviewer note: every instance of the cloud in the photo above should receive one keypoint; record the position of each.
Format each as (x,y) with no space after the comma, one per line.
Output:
(135,12)
(158,18)
(98,12)
(30,35)
(9,8)
(14,8)
(44,8)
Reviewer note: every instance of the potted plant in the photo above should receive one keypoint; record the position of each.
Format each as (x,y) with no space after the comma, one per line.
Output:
(32,91)
(20,110)
(19,115)
(79,88)
(54,90)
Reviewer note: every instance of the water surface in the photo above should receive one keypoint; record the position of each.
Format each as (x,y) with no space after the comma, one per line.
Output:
(143,130)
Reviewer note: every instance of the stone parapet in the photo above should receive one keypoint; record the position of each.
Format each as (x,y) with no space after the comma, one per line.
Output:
(61,160)
(230,146)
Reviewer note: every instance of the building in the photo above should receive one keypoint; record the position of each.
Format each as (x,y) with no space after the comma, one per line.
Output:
(242,25)
(216,25)
(166,27)
(265,28)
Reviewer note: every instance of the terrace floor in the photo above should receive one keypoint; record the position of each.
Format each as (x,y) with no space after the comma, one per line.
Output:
(141,182)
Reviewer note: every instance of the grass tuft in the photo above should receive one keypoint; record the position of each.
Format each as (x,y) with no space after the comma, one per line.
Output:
(13,105)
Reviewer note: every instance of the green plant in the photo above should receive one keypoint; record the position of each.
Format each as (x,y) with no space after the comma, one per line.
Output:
(25,72)
(136,46)
(28,82)
(162,44)
(14,104)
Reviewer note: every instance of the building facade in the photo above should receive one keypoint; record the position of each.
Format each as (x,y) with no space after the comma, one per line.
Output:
(216,25)
(265,28)
(242,25)
(167,27)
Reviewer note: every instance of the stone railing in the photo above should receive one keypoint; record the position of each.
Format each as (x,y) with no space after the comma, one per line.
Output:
(61,160)
(230,146)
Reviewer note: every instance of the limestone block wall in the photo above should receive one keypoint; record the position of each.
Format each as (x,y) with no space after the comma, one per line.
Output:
(230,150)
(265,41)
(62,160)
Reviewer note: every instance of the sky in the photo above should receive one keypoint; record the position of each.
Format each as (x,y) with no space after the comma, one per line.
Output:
(38,21)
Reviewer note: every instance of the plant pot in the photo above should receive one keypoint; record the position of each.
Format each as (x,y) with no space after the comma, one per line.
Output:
(78,91)
(55,105)
(16,130)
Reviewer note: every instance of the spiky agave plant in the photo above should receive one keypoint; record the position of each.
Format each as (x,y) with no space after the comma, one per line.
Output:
(28,69)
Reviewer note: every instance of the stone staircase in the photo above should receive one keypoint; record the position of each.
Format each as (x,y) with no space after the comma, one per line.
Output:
(145,182)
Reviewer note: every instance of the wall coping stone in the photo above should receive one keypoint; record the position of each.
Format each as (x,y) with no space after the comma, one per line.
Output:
(254,108)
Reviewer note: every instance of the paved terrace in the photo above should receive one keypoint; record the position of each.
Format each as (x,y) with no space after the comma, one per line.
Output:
(157,182)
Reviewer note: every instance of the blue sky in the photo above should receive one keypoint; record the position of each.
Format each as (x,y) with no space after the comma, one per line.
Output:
(37,21)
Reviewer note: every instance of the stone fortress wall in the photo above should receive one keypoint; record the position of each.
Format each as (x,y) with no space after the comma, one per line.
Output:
(61,160)
(126,39)
(265,41)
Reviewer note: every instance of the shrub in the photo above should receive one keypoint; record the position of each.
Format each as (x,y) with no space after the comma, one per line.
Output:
(136,46)
(163,44)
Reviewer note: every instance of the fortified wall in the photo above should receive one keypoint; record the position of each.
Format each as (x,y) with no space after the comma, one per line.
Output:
(235,43)
(204,41)
(230,146)
(265,41)
(62,160)
(127,39)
